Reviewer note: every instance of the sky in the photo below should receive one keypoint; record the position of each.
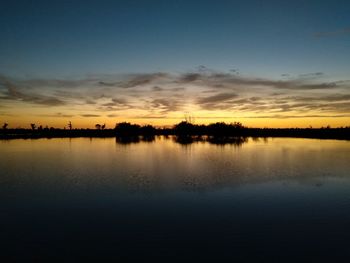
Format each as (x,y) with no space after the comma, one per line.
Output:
(263,63)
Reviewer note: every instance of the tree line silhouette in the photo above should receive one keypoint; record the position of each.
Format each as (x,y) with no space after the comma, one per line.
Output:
(185,131)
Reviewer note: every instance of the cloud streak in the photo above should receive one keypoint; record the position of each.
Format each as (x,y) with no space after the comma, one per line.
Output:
(335,33)
(163,95)
(90,115)
(13,93)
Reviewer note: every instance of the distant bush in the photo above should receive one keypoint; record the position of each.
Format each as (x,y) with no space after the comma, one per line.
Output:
(127,129)
(184,128)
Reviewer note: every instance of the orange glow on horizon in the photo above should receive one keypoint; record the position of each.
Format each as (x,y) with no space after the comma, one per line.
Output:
(89,122)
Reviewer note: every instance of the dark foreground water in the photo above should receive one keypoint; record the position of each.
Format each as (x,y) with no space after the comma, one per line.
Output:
(269,200)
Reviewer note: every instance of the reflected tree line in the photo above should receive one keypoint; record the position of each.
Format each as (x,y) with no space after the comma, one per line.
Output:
(184,132)
(184,140)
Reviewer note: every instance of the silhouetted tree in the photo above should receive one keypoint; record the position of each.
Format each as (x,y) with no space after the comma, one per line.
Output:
(5,126)
(98,126)
(70,125)
(184,128)
(103,126)
(148,130)
(237,125)
(33,126)
(218,129)
(223,129)
(127,129)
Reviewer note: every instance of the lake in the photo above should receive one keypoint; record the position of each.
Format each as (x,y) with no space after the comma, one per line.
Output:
(275,199)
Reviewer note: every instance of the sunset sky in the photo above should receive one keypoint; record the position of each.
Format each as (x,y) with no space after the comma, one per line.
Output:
(263,63)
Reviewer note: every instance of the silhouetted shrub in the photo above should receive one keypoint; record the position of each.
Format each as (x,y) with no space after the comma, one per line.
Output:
(184,128)
(127,129)
(148,130)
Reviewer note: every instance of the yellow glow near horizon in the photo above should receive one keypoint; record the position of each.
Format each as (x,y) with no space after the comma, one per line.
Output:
(23,120)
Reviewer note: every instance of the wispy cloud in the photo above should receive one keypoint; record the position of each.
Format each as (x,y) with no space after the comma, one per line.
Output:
(157,88)
(217,98)
(136,80)
(277,116)
(163,94)
(58,115)
(189,77)
(90,115)
(13,93)
(112,115)
(339,32)
(216,101)
(165,104)
(228,80)
(312,75)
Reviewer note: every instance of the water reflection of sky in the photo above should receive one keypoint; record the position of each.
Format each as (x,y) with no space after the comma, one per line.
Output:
(261,198)
(164,164)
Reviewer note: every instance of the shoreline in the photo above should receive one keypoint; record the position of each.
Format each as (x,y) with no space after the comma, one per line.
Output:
(308,133)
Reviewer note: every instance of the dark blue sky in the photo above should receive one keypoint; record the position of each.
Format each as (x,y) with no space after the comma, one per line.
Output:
(261,38)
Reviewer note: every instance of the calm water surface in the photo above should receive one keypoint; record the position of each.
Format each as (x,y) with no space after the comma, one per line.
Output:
(269,200)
